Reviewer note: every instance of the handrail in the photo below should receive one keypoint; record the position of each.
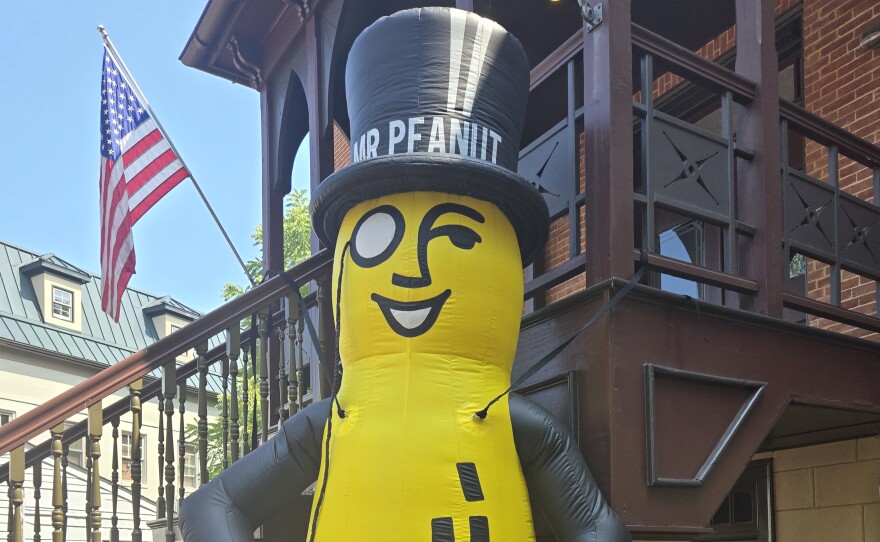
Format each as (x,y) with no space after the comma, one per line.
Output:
(828,133)
(60,408)
(150,391)
(708,73)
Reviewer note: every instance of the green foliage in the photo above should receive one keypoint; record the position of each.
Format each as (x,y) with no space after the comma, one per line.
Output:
(297,241)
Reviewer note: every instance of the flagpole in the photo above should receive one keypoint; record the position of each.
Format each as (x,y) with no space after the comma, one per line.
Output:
(112,50)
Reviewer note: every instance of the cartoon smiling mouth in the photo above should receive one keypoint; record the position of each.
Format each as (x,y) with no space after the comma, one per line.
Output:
(411,318)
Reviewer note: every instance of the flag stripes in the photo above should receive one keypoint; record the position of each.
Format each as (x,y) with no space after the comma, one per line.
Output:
(138,167)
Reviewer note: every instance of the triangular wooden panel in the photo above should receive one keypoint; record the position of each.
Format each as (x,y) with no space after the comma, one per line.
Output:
(690,419)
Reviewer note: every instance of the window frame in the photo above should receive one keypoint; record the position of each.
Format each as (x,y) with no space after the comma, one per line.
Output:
(8,414)
(189,464)
(59,315)
(126,459)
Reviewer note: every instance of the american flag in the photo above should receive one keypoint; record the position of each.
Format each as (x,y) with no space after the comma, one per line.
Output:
(138,167)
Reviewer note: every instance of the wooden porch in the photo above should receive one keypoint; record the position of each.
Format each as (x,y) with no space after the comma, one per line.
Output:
(672,394)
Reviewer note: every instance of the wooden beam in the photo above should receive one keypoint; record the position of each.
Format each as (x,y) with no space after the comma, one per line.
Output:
(758,184)
(609,145)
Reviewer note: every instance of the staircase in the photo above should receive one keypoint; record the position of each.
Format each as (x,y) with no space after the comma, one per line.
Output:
(37,443)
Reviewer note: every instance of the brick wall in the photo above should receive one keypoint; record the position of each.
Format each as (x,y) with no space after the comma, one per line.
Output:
(341,148)
(828,492)
(842,85)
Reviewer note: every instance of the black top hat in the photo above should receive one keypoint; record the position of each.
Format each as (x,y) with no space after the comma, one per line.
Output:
(437,99)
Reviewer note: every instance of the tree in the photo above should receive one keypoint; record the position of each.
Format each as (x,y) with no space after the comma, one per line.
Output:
(297,241)
(297,247)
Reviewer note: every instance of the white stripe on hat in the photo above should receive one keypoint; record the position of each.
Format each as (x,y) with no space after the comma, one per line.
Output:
(456,46)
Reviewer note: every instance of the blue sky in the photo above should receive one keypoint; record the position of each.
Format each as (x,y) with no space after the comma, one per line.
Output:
(49,115)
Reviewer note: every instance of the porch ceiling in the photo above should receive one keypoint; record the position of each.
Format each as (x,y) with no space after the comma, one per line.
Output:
(264,29)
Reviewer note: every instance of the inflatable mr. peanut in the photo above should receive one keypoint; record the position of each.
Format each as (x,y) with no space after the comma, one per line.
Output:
(431,228)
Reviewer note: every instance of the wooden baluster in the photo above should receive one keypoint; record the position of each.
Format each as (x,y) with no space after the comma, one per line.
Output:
(224,415)
(57,495)
(88,494)
(233,349)
(291,309)
(264,374)
(114,480)
(160,502)
(64,462)
(245,396)
(38,482)
(326,333)
(283,381)
(181,443)
(10,514)
(300,363)
(136,456)
(16,493)
(201,350)
(169,387)
(96,428)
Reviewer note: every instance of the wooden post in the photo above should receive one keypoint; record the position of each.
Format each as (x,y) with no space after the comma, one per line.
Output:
(37,471)
(169,388)
(609,206)
(96,429)
(160,501)
(114,480)
(758,180)
(263,330)
(233,349)
(294,392)
(181,441)
(201,350)
(224,416)
(57,485)
(16,492)
(245,395)
(608,145)
(134,390)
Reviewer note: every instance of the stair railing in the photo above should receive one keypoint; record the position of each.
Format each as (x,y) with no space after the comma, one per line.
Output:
(275,304)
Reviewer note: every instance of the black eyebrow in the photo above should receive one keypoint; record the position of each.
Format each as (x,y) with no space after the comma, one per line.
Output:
(439,210)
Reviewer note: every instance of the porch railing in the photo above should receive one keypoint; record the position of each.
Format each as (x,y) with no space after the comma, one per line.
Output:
(273,302)
(686,171)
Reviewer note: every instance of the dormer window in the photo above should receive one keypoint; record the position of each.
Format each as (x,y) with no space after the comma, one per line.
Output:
(57,289)
(62,303)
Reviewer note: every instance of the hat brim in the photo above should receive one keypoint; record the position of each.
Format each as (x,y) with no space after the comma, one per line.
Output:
(375,177)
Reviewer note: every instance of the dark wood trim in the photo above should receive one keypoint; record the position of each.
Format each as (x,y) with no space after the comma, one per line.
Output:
(688,271)
(824,436)
(556,59)
(554,277)
(827,133)
(692,66)
(608,145)
(757,127)
(818,308)
(273,201)
(63,406)
(667,532)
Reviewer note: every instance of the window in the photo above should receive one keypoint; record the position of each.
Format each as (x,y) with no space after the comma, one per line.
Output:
(127,450)
(6,416)
(190,470)
(683,242)
(174,328)
(62,303)
(76,449)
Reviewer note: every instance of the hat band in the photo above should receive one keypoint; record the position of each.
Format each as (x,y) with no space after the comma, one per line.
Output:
(431,134)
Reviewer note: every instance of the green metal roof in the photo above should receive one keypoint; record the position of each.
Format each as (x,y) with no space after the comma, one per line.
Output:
(101,340)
